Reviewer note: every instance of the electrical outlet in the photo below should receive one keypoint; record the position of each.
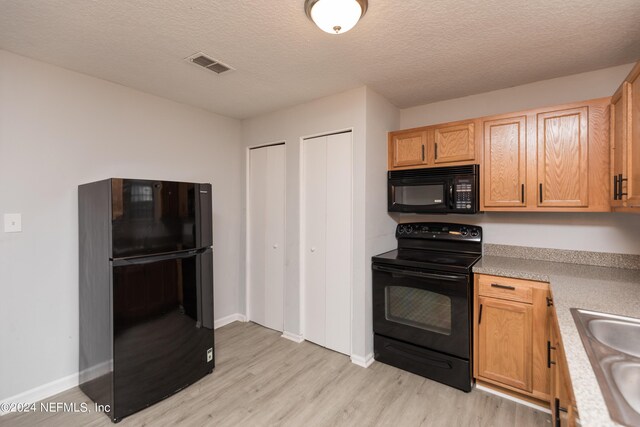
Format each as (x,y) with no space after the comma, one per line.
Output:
(12,223)
(209,355)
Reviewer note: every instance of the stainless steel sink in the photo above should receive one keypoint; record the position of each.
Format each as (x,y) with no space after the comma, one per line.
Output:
(613,345)
(621,335)
(626,375)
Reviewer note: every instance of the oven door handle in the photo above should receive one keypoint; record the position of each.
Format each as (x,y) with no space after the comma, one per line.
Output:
(418,274)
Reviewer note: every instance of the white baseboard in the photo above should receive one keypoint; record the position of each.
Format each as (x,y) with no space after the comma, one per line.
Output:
(293,337)
(235,317)
(513,399)
(96,371)
(365,362)
(42,392)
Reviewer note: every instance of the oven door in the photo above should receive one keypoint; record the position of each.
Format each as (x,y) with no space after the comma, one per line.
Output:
(420,195)
(427,309)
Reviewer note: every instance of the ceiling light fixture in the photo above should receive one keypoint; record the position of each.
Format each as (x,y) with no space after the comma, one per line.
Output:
(335,16)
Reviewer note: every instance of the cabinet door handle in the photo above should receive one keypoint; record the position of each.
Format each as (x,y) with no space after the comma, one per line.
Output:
(436,150)
(540,192)
(615,187)
(549,348)
(480,315)
(423,152)
(522,193)
(495,285)
(620,181)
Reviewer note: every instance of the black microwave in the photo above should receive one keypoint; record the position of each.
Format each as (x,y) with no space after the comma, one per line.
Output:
(453,189)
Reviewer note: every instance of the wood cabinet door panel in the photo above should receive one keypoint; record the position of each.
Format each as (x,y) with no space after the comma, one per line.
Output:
(408,149)
(454,143)
(563,153)
(633,144)
(505,161)
(561,390)
(619,115)
(505,342)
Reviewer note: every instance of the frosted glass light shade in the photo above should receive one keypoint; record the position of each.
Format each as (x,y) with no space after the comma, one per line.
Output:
(335,16)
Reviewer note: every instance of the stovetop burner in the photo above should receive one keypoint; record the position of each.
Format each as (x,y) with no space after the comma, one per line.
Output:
(435,246)
(429,260)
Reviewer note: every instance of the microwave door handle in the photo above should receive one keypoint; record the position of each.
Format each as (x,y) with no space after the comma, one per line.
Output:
(451,188)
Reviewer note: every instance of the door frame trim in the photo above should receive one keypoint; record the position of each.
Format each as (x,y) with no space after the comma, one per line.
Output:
(301,215)
(247,227)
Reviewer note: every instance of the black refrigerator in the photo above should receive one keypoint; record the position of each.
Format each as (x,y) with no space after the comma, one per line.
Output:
(146,290)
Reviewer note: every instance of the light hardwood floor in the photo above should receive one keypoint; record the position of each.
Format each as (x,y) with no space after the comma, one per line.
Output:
(262,379)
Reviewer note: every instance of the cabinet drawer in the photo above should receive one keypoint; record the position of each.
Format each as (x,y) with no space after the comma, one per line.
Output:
(506,288)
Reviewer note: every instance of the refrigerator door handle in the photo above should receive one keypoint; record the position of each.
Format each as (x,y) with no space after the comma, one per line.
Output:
(204,212)
(199,282)
(155,258)
(205,289)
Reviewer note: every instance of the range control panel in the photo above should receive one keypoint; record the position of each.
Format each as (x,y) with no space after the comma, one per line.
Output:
(439,231)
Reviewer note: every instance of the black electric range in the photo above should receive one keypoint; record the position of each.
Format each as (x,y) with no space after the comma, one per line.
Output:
(422,301)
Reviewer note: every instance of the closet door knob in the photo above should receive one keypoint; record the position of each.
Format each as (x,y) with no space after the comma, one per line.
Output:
(275,246)
(313,249)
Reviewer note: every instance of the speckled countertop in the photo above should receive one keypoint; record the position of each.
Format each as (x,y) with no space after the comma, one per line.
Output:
(605,289)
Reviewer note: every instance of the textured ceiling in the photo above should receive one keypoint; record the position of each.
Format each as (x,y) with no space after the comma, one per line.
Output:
(412,51)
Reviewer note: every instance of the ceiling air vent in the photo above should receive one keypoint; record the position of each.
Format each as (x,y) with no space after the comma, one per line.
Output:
(209,63)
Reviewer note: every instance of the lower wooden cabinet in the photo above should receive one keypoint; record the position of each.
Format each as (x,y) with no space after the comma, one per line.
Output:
(505,329)
(511,333)
(563,403)
(517,345)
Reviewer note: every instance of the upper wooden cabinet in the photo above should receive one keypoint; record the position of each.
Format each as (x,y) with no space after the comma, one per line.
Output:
(563,154)
(447,144)
(407,149)
(619,136)
(625,144)
(548,159)
(454,143)
(505,161)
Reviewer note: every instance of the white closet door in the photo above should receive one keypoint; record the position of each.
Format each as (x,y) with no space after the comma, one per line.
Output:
(338,243)
(266,236)
(275,221)
(257,241)
(326,245)
(314,257)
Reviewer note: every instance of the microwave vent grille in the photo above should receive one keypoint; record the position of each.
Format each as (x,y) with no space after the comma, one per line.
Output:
(434,172)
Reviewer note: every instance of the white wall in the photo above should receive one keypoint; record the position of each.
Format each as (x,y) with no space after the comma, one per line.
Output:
(337,112)
(604,232)
(59,129)
(382,117)
(577,87)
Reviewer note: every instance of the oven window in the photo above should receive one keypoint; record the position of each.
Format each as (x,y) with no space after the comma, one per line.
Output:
(419,195)
(418,308)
